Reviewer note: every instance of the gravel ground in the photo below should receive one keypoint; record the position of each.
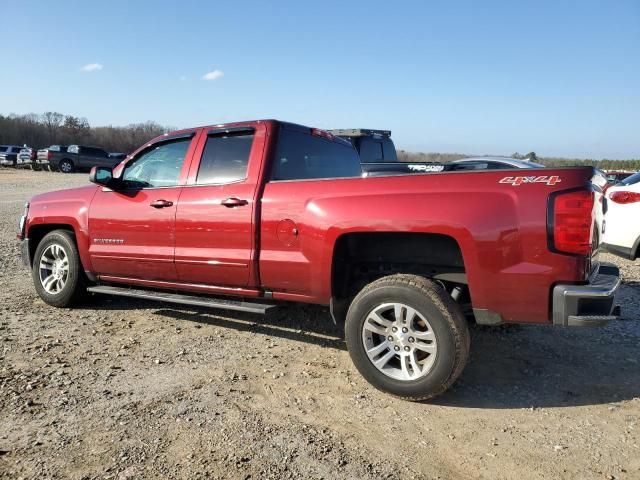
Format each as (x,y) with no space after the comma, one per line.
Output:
(130,389)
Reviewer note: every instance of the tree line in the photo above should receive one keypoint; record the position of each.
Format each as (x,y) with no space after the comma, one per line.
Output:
(54,128)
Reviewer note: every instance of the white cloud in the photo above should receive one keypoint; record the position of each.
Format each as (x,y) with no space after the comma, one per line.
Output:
(213,75)
(92,67)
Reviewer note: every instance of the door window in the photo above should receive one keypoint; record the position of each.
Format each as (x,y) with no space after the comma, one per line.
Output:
(159,166)
(95,152)
(225,158)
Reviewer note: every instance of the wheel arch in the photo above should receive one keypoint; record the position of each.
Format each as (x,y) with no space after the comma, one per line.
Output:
(35,234)
(360,258)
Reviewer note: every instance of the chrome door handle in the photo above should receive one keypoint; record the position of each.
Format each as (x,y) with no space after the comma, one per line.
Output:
(161,203)
(234,202)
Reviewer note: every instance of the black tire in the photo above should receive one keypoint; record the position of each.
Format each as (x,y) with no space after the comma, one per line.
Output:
(35,167)
(445,318)
(75,286)
(66,166)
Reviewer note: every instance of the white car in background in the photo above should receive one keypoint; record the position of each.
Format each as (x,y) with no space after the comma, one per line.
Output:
(492,163)
(621,229)
(26,157)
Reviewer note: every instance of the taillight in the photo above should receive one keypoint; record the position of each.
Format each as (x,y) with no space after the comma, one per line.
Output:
(571,222)
(49,154)
(625,197)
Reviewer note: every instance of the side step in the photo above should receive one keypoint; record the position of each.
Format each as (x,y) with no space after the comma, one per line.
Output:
(219,303)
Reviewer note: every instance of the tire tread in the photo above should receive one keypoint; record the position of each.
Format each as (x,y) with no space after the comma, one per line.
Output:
(450,311)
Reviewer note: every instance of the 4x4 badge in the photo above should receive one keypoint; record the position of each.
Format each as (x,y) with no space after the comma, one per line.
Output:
(548,179)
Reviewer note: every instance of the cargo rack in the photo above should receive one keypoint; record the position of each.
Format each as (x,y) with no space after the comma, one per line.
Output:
(359,132)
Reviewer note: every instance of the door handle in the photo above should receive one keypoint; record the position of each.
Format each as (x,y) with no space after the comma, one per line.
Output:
(161,203)
(234,202)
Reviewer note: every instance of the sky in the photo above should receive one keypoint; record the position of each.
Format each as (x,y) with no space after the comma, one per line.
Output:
(561,77)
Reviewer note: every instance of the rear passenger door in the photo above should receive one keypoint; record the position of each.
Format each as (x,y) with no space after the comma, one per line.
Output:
(215,220)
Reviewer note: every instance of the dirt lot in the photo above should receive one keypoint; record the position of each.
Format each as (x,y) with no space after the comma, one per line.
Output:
(130,389)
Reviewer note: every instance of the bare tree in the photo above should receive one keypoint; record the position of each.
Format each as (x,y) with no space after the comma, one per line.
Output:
(53,122)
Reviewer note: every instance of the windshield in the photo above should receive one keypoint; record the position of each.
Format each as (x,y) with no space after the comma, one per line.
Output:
(633,179)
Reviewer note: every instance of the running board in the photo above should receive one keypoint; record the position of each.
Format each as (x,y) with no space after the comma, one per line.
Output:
(219,303)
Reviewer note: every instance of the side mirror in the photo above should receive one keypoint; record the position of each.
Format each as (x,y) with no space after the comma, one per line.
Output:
(101,176)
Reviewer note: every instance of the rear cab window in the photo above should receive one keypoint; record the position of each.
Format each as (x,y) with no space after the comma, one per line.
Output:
(376,149)
(301,155)
(371,151)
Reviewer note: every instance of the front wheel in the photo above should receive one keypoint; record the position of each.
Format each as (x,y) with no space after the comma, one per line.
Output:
(407,337)
(57,272)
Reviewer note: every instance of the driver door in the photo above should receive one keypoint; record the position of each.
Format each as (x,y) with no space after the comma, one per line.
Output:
(132,230)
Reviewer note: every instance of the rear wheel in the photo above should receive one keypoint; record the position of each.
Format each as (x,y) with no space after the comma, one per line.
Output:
(407,337)
(66,166)
(57,272)
(35,166)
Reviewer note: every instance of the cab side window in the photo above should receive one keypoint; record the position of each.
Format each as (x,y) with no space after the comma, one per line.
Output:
(302,156)
(159,166)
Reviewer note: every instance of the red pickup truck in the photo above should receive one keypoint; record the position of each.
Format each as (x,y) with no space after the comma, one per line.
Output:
(248,215)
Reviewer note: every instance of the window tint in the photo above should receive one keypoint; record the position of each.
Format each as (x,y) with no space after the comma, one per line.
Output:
(370,151)
(632,180)
(389,151)
(96,152)
(499,166)
(303,156)
(157,167)
(225,158)
(470,166)
(4,149)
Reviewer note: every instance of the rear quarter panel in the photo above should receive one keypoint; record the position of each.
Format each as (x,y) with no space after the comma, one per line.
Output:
(501,230)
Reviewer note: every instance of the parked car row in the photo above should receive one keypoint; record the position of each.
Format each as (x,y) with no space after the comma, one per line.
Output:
(66,159)
(9,155)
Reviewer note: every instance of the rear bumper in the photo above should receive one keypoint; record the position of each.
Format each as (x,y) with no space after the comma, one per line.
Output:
(588,305)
